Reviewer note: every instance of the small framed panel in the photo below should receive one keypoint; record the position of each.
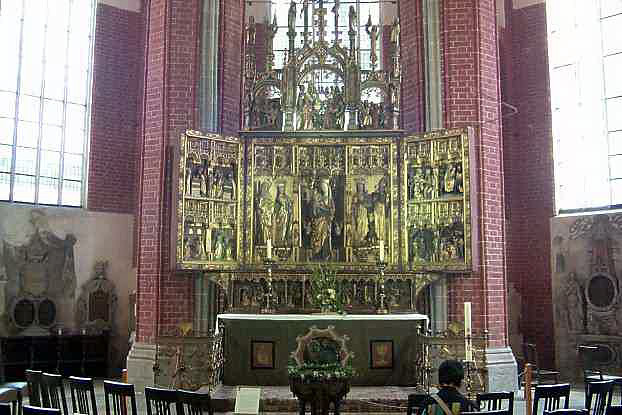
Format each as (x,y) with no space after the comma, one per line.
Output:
(262,354)
(209,202)
(381,354)
(436,196)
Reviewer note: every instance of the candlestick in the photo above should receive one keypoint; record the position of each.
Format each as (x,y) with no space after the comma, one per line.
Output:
(381,250)
(269,248)
(468,351)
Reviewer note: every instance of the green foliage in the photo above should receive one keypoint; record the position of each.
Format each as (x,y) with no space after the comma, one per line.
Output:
(326,289)
(313,372)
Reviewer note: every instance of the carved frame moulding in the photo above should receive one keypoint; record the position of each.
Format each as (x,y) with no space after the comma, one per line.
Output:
(209,203)
(436,208)
(292,291)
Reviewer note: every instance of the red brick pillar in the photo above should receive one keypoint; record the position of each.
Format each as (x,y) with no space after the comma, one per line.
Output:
(472,98)
(164,299)
(412,58)
(232,23)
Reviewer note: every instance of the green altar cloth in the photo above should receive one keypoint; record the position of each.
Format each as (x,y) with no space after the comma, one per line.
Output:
(258,346)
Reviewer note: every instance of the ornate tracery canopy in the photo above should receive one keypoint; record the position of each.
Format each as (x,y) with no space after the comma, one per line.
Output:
(321,85)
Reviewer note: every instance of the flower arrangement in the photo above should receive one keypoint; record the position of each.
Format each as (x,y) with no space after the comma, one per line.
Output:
(326,290)
(314,372)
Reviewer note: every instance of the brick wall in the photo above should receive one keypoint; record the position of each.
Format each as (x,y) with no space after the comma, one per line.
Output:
(471,96)
(117,75)
(230,60)
(412,56)
(529,173)
(164,298)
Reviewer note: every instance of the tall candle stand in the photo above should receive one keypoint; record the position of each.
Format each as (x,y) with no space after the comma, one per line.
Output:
(269,294)
(382,306)
(469,366)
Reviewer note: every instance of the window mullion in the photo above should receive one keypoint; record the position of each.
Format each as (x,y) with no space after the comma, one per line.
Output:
(17,94)
(41,101)
(61,167)
(87,111)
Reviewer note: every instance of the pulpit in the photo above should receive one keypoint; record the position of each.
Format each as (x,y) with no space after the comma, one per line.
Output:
(258,346)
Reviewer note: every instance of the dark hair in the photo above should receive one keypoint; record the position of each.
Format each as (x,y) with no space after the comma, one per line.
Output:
(450,372)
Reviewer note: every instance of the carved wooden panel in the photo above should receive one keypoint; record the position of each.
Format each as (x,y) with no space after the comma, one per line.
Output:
(436,201)
(209,206)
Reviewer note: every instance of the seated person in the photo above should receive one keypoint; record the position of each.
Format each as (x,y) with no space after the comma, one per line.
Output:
(450,376)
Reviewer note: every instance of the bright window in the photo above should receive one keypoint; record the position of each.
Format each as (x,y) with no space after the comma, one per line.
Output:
(45,80)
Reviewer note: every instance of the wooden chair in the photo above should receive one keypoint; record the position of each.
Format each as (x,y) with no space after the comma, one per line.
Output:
(118,393)
(592,372)
(36,410)
(551,395)
(5,409)
(10,401)
(159,401)
(530,354)
(33,380)
(567,412)
(82,391)
(599,397)
(418,402)
(194,403)
(53,392)
(499,412)
(495,401)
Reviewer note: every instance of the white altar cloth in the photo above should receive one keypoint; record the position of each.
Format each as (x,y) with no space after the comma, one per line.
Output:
(320,316)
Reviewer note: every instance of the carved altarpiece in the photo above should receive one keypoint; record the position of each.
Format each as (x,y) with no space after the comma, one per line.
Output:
(324,198)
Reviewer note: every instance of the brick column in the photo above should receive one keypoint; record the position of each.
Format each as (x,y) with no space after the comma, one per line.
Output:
(471,96)
(164,298)
(232,23)
(413,88)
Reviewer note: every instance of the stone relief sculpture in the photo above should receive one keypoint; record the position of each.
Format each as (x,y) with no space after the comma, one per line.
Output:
(39,274)
(97,303)
(586,288)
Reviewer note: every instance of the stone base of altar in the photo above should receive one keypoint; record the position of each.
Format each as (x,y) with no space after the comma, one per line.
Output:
(359,399)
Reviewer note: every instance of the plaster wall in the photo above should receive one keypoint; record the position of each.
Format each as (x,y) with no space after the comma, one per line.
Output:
(100,236)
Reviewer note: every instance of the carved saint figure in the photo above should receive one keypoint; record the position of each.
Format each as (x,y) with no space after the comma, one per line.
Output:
(250,31)
(263,214)
(379,200)
(359,207)
(372,31)
(322,213)
(352,19)
(281,218)
(395,32)
(573,293)
(291,18)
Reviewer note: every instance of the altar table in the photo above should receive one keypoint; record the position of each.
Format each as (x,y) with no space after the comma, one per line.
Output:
(258,346)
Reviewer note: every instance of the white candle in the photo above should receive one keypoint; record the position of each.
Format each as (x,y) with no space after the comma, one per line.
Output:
(468,351)
(381,250)
(269,243)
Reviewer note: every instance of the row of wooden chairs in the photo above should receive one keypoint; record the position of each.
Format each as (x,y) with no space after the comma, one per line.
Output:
(491,403)
(47,393)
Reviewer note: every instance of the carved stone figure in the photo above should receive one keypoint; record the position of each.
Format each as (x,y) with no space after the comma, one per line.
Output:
(395,32)
(573,292)
(282,218)
(352,19)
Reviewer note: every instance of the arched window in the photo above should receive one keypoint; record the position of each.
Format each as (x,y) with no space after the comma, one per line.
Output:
(45,74)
